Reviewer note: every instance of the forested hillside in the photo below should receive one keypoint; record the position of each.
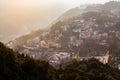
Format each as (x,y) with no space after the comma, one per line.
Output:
(14,66)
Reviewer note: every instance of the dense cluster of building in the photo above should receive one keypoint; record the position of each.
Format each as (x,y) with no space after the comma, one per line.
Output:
(51,45)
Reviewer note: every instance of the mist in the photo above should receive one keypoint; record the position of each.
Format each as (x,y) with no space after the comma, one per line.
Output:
(20,17)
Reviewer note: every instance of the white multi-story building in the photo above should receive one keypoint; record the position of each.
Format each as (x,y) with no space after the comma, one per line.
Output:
(59,58)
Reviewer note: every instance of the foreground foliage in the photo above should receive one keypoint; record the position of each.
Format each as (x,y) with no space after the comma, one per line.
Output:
(14,66)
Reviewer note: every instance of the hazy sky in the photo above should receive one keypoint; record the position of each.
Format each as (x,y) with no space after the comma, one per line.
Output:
(18,17)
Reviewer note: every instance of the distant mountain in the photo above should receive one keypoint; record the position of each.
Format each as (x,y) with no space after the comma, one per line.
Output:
(72,13)
(91,33)
(112,5)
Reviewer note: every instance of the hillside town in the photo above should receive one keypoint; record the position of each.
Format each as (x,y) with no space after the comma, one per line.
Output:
(94,34)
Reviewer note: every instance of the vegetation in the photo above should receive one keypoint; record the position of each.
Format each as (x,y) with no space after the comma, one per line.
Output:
(14,66)
(89,70)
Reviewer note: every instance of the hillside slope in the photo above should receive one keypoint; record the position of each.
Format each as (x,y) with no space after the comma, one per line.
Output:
(92,33)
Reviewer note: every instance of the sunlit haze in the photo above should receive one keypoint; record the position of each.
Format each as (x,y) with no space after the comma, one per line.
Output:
(18,17)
